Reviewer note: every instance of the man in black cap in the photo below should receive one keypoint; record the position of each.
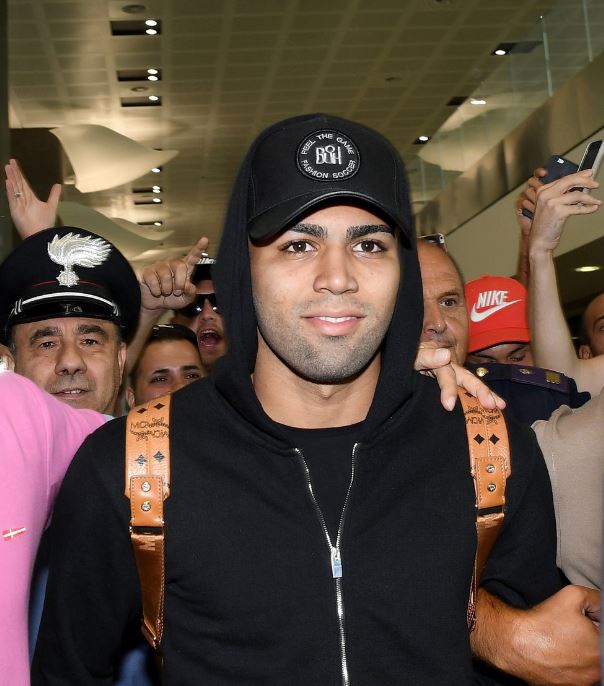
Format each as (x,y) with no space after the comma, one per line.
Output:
(321,523)
(68,301)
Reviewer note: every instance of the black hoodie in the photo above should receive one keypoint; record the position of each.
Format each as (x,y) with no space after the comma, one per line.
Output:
(250,594)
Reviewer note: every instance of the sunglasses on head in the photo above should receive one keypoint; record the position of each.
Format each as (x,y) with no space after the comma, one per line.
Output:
(437,239)
(194,308)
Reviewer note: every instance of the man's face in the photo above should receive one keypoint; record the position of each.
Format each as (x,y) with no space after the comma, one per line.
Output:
(593,324)
(78,360)
(164,367)
(208,326)
(504,353)
(445,314)
(324,292)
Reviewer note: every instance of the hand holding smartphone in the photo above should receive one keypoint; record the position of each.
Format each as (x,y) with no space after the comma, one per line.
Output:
(556,167)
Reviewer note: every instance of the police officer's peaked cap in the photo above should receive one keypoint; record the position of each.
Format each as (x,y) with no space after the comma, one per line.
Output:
(67,272)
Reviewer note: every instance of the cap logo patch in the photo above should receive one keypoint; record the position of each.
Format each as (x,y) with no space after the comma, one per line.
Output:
(328,155)
(493,301)
(79,251)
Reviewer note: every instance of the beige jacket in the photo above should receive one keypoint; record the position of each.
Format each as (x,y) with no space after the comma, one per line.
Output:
(572,442)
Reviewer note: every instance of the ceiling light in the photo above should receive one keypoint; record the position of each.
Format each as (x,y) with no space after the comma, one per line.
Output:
(134,27)
(156,199)
(139,89)
(158,223)
(156,170)
(153,98)
(156,189)
(150,22)
(588,268)
(134,9)
(152,78)
(151,32)
(478,101)
(152,71)
(421,140)
(500,52)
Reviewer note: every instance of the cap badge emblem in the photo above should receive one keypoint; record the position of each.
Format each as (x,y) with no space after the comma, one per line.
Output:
(328,155)
(79,251)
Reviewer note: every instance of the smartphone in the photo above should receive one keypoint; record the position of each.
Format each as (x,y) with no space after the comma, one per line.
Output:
(557,167)
(592,157)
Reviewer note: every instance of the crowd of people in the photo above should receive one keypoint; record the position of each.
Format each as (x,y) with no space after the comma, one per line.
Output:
(313,513)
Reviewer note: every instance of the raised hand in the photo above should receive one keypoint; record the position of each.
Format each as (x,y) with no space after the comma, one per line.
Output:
(167,284)
(28,212)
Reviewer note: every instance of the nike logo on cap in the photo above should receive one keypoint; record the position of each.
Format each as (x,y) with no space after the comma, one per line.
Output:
(480,316)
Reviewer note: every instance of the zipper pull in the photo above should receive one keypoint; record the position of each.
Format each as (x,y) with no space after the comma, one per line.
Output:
(336,563)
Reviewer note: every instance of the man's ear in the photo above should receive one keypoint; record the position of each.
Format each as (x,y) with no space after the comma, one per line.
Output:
(130,396)
(585,352)
(121,358)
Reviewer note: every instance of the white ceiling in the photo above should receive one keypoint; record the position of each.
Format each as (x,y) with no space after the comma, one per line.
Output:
(230,67)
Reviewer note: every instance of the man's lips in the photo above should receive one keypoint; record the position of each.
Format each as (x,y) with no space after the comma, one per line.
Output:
(208,338)
(71,392)
(334,324)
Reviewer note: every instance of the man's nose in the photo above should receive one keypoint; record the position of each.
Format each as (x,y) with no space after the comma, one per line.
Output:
(434,322)
(336,271)
(70,359)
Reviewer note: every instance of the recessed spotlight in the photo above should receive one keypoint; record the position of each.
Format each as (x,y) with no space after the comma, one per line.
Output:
(588,268)
(478,101)
(139,89)
(150,22)
(156,189)
(500,52)
(156,199)
(158,223)
(151,32)
(152,71)
(134,9)
(421,140)
(151,77)
(156,170)
(153,98)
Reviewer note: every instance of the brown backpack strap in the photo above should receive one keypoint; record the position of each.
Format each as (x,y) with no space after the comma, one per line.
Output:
(147,485)
(490,466)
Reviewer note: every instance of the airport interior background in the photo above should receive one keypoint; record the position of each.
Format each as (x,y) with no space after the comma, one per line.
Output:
(143,110)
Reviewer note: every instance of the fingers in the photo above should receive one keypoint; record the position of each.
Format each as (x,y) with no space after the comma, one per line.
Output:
(431,358)
(54,196)
(448,386)
(168,277)
(196,252)
(472,384)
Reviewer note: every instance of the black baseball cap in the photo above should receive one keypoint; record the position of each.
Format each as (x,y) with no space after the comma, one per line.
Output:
(306,162)
(68,272)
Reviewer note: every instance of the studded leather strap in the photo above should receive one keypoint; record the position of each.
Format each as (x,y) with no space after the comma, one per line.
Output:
(490,467)
(147,485)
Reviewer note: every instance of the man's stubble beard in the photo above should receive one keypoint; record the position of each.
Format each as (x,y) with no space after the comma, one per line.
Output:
(338,360)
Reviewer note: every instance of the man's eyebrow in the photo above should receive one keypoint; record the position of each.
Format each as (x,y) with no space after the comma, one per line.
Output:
(355,232)
(190,367)
(520,347)
(160,371)
(93,329)
(44,332)
(314,230)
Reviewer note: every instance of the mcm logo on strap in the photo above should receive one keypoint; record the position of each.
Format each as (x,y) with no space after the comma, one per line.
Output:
(75,250)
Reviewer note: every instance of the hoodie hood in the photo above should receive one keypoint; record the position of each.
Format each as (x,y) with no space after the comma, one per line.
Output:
(379,182)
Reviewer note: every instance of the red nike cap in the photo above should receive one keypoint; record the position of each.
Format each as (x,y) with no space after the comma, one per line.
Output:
(497,312)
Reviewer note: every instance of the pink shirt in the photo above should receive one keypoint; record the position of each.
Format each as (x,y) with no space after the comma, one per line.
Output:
(38,438)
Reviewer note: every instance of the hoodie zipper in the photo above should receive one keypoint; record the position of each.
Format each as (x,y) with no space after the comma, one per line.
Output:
(335,554)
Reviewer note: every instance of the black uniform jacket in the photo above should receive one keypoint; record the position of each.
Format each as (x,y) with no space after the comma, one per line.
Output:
(250,596)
